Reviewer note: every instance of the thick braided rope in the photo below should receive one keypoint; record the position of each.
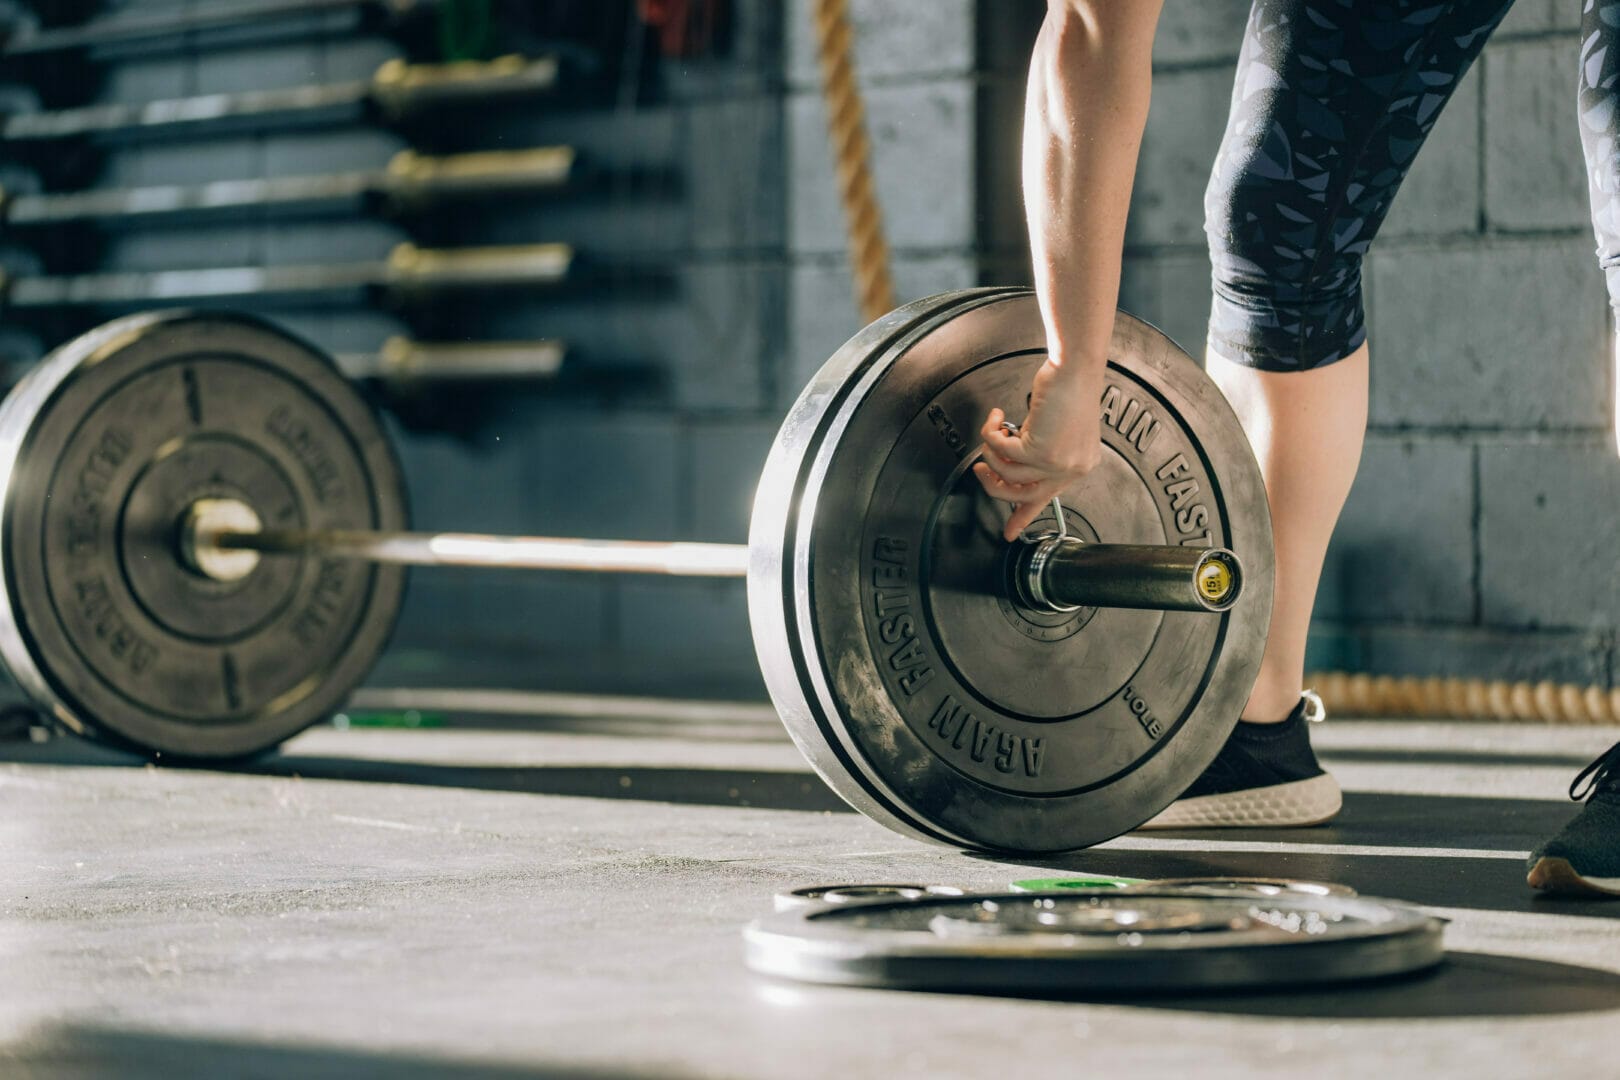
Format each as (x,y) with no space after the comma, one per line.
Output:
(1466,699)
(852,154)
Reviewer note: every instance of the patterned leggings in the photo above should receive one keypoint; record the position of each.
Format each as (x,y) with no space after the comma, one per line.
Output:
(1333,99)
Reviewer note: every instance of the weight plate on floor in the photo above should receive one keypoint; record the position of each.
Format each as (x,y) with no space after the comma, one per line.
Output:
(917,685)
(849,894)
(1213,886)
(1095,943)
(1052,884)
(103,448)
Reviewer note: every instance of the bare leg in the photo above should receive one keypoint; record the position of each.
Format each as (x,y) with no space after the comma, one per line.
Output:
(1306,428)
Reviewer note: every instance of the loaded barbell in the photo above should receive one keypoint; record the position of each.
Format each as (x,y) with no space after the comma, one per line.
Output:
(202,529)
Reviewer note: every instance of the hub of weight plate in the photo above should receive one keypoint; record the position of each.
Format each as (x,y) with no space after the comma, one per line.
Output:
(105,447)
(1098,943)
(893,643)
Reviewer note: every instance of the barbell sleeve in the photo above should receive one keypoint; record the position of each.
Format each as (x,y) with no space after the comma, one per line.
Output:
(1064,573)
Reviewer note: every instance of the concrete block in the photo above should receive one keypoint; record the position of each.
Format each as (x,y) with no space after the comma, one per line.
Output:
(727,457)
(894,40)
(1007,32)
(651,137)
(1184,129)
(676,179)
(1538,17)
(1404,546)
(691,628)
(1002,225)
(135,79)
(750,63)
(1200,31)
(184,248)
(264,67)
(225,158)
(344,330)
(1535,175)
(606,227)
(1549,530)
(463,613)
(923,143)
(615,475)
(1509,333)
(1462,652)
(356,57)
(491,488)
(1172,292)
(703,341)
(822,314)
(1442,192)
(734,184)
(340,241)
(312,153)
(458,487)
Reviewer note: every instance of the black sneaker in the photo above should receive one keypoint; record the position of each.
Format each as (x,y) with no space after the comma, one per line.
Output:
(1584,857)
(1265,775)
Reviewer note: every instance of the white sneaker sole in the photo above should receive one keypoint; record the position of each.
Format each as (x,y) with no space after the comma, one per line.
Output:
(1303,802)
(1558,876)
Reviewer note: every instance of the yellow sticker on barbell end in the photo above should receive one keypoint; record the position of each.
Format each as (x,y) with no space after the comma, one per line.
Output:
(1215,580)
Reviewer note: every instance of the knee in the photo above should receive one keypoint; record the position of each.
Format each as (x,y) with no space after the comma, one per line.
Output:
(1286,281)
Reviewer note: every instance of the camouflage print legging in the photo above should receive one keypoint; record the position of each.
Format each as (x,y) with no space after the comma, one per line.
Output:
(1332,101)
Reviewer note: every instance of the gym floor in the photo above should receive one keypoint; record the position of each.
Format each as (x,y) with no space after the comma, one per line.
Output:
(559,895)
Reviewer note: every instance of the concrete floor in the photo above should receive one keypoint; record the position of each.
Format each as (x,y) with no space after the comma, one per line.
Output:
(498,901)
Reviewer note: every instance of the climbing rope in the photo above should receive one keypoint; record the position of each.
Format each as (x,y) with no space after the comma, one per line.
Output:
(852,155)
(1466,699)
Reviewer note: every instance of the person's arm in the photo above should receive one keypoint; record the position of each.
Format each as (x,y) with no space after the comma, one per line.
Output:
(1089,84)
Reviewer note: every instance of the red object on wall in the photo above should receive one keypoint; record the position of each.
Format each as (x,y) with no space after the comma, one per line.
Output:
(686,28)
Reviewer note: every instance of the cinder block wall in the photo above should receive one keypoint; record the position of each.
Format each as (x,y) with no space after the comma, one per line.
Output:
(1482,535)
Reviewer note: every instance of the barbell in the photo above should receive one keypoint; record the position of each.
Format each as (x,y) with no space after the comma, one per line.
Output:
(203,535)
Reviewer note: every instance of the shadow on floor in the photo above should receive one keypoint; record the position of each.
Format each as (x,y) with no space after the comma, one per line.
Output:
(1391,819)
(693,786)
(1394,755)
(1479,883)
(774,790)
(1465,984)
(82,1052)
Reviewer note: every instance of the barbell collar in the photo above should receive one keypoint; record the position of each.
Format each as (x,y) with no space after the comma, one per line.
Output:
(1065,574)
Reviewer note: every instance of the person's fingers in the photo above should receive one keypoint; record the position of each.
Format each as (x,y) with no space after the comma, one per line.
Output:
(992,423)
(998,486)
(1023,516)
(1000,442)
(1017,472)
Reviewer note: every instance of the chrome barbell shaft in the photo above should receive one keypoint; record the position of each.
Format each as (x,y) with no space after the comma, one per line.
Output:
(511,552)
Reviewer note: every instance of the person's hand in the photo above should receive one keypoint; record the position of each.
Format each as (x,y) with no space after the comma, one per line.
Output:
(1060,441)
